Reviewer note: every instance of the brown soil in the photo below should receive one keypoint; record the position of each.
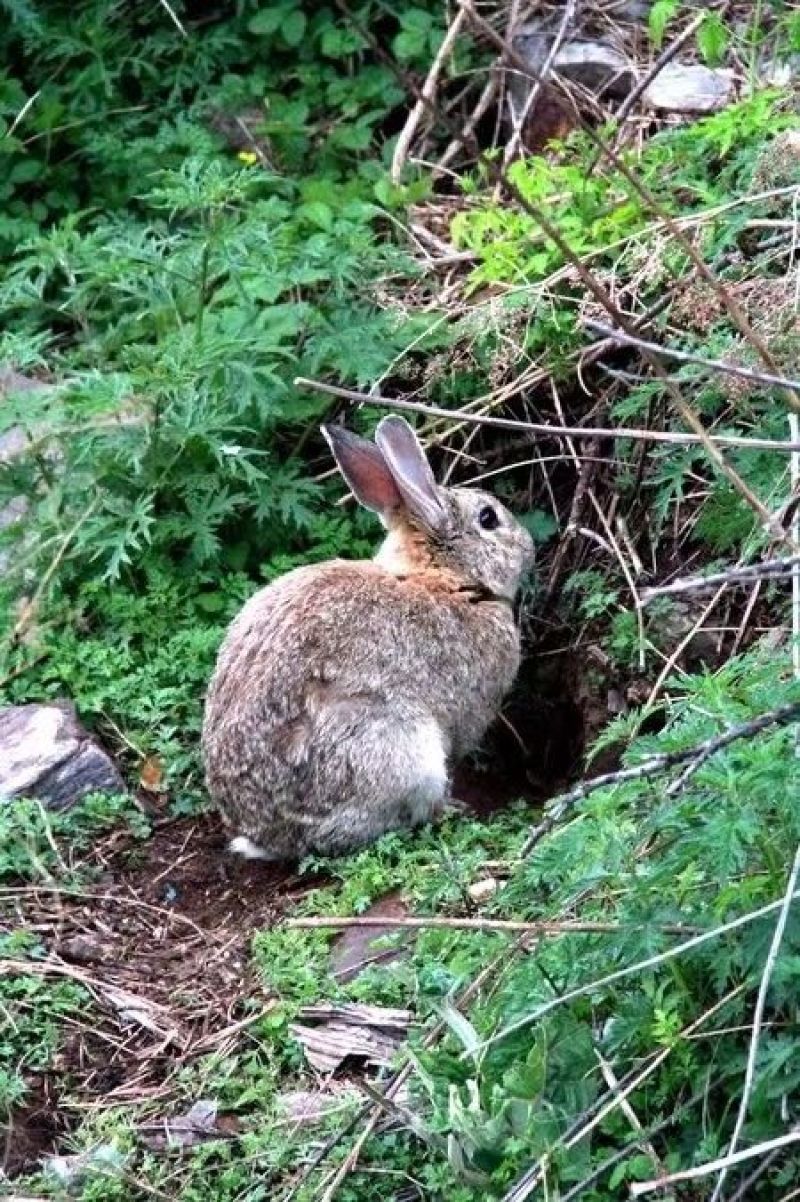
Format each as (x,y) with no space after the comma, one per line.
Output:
(160,941)
(33,1131)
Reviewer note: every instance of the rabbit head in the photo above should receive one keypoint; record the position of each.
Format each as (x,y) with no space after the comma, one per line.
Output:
(463,532)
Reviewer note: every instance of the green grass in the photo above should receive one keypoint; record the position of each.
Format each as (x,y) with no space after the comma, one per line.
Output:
(171,287)
(630,856)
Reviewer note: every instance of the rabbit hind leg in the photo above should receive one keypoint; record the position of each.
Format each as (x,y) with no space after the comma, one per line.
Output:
(428,783)
(407,791)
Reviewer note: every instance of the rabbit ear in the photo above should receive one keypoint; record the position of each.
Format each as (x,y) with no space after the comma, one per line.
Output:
(364,469)
(413,477)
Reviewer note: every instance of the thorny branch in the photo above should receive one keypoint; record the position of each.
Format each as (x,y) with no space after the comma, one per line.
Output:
(560,806)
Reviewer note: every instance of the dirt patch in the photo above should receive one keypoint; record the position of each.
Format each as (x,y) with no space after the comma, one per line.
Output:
(33,1131)
(160,941)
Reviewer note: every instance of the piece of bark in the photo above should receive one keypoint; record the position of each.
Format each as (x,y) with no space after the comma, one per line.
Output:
(370,1033)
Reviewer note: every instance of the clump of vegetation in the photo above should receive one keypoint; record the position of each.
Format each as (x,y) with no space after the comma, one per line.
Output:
(198,210)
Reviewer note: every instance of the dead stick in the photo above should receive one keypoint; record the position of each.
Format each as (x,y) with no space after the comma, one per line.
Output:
(478,924)
(669,352)
(425,98)
(559,806)
(547,431)
(638,1188)
(767,570)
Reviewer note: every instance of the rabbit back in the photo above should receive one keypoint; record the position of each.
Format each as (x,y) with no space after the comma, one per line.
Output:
(340,694)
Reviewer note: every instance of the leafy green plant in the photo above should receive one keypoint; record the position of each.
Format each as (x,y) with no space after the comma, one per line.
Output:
(38,844)
(33,1009)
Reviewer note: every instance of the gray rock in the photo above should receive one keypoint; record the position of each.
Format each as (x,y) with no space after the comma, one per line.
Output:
(779,73)
(12,443)
(597,66)
(634,10)
(690,88)
(45,753)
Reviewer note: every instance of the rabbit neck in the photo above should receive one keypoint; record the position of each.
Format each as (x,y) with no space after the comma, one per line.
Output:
(405,553)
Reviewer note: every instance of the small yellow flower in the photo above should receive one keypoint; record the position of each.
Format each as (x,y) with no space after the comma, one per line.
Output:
(247,156)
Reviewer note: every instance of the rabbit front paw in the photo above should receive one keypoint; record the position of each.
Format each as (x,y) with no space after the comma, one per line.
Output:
(448,807)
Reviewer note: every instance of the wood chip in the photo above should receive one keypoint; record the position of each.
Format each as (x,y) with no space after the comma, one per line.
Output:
(369,1033)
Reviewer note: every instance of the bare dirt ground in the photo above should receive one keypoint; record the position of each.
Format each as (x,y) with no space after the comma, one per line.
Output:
(160,938)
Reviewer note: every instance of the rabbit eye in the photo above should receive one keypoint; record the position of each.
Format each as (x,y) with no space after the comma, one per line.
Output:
(488,519)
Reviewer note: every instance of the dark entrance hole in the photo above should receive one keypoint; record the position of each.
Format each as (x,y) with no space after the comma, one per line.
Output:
(535,748)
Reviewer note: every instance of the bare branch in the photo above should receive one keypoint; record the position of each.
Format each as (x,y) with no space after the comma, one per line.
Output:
(560,806)
(666,56)
(425,98)
(669,352)
(713,1166)
(533,95)
(768,569)
(415,923)
(549,431)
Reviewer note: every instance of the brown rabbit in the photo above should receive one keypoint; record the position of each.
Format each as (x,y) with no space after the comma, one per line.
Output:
(344,690)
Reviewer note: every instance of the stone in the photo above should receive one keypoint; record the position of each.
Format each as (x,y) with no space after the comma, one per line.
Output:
(597,66)
(46,754)
(680,88)
(779,73)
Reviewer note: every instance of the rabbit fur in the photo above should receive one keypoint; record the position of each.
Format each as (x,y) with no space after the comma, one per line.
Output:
(344,691)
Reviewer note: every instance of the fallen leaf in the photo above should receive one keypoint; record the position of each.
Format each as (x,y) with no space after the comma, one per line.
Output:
(309,1106)
(358,947)
(151,775)
(200,1124)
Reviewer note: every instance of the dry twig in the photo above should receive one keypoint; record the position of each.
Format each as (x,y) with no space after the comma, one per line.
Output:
(560,806)
(720,365)
(665,57)
(524,1187)
(638,1188)
(542,428)
(768,569)
(425,99)
(414,923)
